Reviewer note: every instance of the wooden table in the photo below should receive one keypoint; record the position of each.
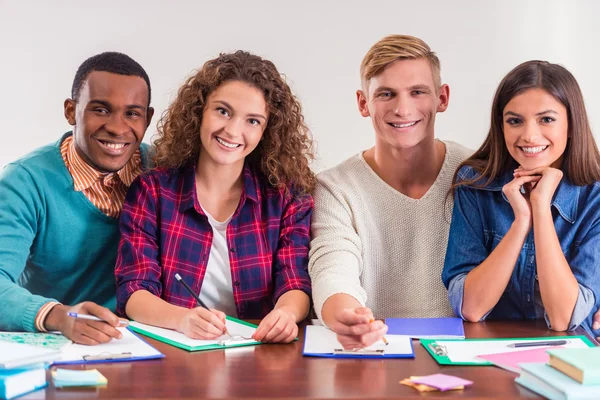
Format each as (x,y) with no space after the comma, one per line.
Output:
(280,371)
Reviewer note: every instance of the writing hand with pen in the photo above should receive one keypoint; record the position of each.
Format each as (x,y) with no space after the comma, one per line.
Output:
(356,328)
(84,330)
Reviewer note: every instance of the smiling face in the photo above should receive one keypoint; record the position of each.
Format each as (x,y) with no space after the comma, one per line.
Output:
(233,121)
(109,119)
(536,129)
(402,102)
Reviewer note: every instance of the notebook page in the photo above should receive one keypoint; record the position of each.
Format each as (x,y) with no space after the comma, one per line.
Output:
(129,343)
(467,351)
(234,328)
(320,340)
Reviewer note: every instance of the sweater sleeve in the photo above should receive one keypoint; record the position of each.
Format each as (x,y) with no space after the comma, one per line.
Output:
(335,262)
(21,205)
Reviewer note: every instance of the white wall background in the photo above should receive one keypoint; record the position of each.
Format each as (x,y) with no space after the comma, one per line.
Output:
(318,44)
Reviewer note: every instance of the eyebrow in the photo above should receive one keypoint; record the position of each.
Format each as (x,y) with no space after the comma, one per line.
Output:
(420,87)
(537,114)
(108,105)
(226,104)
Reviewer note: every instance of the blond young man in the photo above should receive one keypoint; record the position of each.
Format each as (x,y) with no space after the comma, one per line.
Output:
(380,223)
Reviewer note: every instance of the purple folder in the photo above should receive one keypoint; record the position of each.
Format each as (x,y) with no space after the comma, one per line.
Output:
(426,328)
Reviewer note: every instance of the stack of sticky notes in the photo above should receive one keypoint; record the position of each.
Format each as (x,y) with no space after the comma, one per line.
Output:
(572,374)
(436,382)
(78,378)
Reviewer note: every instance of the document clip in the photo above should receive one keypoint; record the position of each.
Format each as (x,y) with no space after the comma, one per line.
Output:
(106,356)
(438,349)
(361,352)
(234,339)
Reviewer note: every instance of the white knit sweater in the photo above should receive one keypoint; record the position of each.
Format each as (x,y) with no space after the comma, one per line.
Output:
(381,247)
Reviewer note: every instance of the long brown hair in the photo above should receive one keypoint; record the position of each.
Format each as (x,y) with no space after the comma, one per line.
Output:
(581,162)
(286,147)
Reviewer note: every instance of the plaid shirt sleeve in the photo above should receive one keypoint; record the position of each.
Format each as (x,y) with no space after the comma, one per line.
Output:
(291,257)
(137,266)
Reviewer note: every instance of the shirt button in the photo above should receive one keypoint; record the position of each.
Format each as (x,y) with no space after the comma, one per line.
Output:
(232,249)
(236,283)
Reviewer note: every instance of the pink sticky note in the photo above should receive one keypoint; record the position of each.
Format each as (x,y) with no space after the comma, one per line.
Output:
(511,360)
(442,382)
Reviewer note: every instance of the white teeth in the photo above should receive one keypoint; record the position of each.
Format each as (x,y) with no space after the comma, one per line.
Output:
(115,146)
(228,145)
(403,125)
(534,150)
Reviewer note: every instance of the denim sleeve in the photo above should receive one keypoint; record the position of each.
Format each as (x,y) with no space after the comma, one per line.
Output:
(583,307)
(466,246)
(585,265)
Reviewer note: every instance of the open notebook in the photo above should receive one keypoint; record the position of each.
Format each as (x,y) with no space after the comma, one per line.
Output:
(241,334)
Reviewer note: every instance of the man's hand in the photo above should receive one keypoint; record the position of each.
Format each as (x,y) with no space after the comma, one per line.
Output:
(84,331)
(356,328)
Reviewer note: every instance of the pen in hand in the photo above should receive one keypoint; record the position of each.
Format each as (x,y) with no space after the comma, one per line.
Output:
(200,302)
(532,344)
(122,322)
(383,339)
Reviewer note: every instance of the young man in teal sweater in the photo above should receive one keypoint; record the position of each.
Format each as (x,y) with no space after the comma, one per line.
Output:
(59,206)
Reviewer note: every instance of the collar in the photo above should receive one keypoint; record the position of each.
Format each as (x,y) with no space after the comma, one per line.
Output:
(189,197)
(84,175)
(565,199)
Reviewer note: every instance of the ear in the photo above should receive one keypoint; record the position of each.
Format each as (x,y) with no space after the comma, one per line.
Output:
(361,100)
(149,115)
(444,98)
(69,110)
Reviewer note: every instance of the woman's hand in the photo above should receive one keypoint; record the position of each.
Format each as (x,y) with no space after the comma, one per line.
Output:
(542,192)
(519,201)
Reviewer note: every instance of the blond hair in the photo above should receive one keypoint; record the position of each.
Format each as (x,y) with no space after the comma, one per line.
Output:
(398,47)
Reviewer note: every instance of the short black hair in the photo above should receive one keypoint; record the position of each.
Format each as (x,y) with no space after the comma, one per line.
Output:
(110,61)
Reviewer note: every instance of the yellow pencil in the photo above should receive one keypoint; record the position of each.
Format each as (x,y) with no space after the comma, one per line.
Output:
(383,338)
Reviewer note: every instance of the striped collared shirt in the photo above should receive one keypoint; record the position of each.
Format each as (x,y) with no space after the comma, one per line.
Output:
(106,191)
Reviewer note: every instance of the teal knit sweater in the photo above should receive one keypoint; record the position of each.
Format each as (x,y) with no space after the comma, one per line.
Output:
(54,243)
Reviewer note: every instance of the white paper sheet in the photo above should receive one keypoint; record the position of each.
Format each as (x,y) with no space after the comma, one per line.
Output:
(129,343)
(234,328)
(320,340)
(467,351)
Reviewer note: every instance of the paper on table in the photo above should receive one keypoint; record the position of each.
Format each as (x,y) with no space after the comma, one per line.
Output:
(71,378)
(129,343)
(234,328)
(320,340)
(442,382)
(511,360)
(468,351)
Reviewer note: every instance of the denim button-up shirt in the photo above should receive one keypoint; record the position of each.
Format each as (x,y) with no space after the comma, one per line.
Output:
(482,217)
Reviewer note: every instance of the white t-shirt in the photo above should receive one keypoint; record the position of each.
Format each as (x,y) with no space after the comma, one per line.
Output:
(217,288)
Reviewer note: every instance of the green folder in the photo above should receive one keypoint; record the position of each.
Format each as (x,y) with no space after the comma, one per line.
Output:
(178,339)
(440,353)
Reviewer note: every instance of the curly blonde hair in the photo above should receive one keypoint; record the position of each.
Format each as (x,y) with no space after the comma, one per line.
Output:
(286,147)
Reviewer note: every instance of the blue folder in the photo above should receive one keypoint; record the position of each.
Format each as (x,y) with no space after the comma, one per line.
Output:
(426,328)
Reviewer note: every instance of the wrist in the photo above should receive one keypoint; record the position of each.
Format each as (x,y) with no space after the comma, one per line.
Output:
(540,208)
(522,225)
(55,318)
(291,311)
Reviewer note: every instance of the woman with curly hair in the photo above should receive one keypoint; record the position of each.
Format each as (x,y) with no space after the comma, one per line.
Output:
(227,207)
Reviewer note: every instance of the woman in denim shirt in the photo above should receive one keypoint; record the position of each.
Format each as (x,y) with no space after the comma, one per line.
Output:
(525,234)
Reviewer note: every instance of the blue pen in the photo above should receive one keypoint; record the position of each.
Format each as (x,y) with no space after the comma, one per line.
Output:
(547,343)
(122,322)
